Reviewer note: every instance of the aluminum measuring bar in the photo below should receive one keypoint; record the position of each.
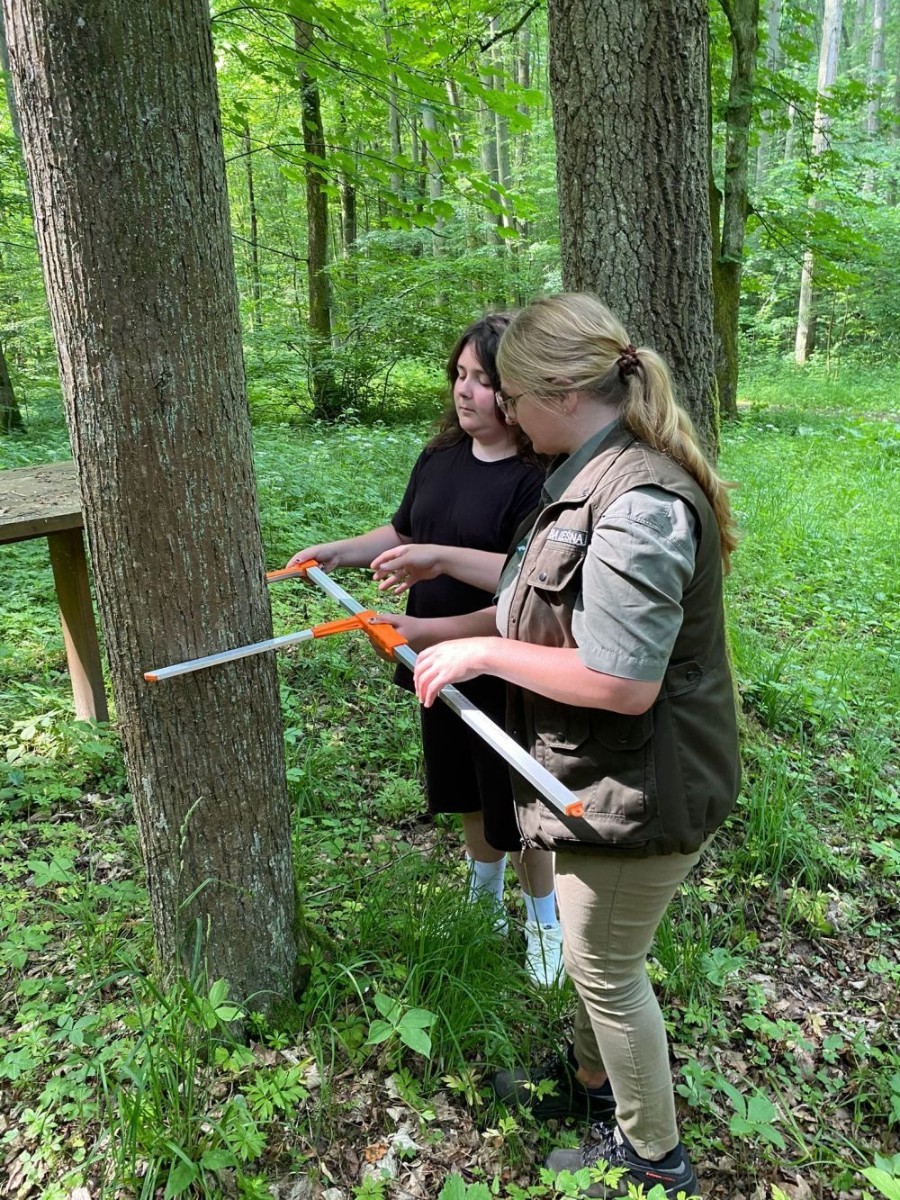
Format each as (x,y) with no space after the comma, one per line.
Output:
(556,794)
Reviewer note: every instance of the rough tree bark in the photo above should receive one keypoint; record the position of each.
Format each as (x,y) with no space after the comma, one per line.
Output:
(122,139)
(805,340)
(728,262)
(630,107)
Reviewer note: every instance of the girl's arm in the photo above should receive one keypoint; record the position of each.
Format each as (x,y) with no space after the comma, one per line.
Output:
(421,632)
(351,552)
(400,567)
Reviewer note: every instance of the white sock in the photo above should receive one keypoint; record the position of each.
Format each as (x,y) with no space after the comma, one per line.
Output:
(541,910)
(486,879)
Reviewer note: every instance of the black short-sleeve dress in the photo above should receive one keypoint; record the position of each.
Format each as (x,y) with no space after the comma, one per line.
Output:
(456,499)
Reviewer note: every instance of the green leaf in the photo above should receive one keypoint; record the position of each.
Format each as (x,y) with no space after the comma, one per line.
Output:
(379,1031)
(217,1160)
(416,1039)
(387,1006)
(182,1175)
(417,1018)
(218,992)
(454,1188)
(888,1185)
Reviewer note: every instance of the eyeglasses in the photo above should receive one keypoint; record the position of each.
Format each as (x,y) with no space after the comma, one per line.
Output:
(506,403)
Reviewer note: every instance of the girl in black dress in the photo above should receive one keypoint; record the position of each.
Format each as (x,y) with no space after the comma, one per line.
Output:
(471,488)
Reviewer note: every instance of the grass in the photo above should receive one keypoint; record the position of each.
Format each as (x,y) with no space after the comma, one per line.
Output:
(777,966)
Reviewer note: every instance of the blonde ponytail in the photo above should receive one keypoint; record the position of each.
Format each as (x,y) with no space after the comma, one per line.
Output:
(573,343)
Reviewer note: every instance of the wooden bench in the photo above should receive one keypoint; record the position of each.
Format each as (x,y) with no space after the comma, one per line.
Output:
(44,502)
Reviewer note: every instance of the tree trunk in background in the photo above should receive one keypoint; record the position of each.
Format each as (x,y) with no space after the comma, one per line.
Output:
(773,33)
(435,180)
(875,79)
(804,342)
(10,416)
(323,389)
(122,138)
(256,307)
(728,263)
(488,137)
(629,81)
(393,109)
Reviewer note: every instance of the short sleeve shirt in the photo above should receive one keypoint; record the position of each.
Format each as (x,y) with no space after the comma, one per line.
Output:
(640,559)
(456,499)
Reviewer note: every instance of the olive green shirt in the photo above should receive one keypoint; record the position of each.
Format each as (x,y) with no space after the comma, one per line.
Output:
(640,559)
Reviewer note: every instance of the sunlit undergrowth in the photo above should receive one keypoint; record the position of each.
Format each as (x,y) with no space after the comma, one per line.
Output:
(778,966)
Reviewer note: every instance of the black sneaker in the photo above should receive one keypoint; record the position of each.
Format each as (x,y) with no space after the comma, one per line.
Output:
(553,1093)
(674,1174)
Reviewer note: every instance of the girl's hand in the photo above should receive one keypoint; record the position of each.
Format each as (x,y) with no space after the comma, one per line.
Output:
(326,554)
(450,662)
(412,628)
(399,568)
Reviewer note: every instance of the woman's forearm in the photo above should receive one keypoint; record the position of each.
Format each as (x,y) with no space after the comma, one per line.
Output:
(558,674)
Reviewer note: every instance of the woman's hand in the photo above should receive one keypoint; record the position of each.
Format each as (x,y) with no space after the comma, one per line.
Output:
(399,568)
(326,554)
(451,662)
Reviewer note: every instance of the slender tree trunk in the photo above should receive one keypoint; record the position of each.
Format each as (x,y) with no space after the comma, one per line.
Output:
(728,264)
(876,78)
(804,342)
(123,144)
(773,34)
(393,110)
(488,135)
(323,388)
(10,416)
(435,179)
(256,306)
(629,81)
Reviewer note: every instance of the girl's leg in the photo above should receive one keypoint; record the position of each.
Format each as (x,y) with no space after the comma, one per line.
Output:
(486,865)
(543,955)
(610,908)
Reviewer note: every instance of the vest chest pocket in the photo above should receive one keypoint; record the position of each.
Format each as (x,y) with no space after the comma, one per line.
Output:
(557,566)
(558,727)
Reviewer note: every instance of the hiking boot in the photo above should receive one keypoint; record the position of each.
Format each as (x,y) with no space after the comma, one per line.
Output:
(553,1093)
(543,954)
(674,1173)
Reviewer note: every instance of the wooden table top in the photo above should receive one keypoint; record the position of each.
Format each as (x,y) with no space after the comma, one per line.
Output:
(35,501)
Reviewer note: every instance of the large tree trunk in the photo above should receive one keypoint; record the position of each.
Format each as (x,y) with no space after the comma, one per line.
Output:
(123,143)
(728,263)
(805,340)
(630,107)
(325,397)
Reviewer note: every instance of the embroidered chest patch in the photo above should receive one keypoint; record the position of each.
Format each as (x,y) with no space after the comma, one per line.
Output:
(569,537)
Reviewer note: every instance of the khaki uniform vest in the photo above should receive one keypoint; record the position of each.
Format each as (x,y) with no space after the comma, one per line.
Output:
(658,783)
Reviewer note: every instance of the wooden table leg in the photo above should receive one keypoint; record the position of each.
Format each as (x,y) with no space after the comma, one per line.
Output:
(73,592)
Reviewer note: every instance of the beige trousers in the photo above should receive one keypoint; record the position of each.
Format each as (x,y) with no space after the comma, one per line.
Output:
(610,907)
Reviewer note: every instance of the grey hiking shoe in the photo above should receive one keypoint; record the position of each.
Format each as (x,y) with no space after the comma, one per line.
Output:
(552,1092)
(674,1173)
